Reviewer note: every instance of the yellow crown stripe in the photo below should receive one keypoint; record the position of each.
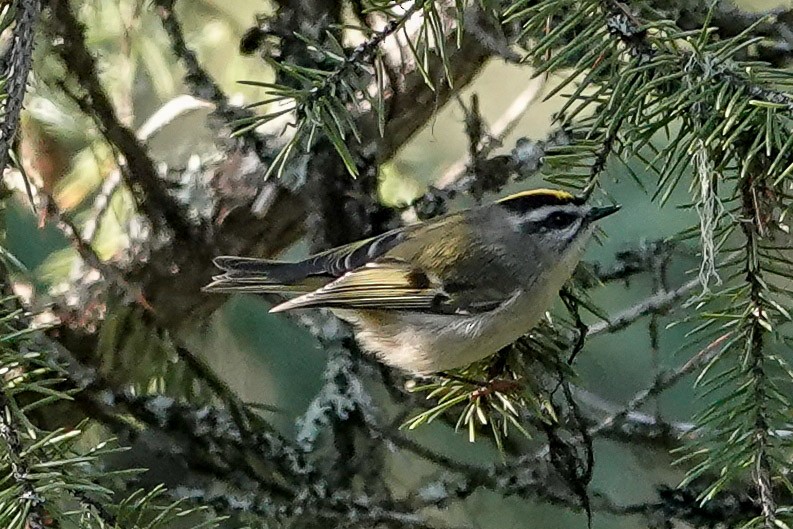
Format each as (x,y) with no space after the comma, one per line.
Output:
(555,193)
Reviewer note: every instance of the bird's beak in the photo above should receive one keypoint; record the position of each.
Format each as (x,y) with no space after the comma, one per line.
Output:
(597,213)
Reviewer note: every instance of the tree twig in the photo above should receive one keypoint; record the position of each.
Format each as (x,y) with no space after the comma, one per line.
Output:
(654,304)
(499,130)
(141,174)
(663,382)
(15,73)
(164,115)
(200,83)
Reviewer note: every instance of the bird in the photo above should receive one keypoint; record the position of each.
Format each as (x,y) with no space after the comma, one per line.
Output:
(440,294)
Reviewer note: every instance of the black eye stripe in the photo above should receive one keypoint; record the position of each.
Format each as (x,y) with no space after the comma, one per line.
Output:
(558,220)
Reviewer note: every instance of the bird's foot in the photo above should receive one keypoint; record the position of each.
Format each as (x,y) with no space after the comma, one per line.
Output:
(496,385)
(484,388)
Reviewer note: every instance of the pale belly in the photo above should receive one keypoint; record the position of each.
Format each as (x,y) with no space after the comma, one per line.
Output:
(428,343)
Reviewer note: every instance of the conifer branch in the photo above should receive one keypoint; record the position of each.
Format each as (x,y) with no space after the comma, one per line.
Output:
(19,465)
(86,252)
(202,85)
(755,326)
(655,304)
(495,134)
(324,98)
(16,66)
(139,171)
(662,383)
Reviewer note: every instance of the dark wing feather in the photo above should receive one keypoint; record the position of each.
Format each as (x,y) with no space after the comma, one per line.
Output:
(248,274)
(395,285)
(243,274)
(387,285)
(342,259)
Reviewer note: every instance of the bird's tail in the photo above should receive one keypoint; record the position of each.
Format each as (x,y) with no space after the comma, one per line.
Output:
(245,274)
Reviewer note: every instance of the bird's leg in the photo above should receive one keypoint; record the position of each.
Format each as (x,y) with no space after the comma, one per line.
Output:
(499,363)
(494,382)
(496,385)
(488,387)
(458,378)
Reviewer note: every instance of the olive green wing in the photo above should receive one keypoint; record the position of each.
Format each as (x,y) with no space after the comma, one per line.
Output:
(401,243)
(394,285)
(384,285)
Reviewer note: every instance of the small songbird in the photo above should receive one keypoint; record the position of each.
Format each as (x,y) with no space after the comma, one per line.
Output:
(440,294)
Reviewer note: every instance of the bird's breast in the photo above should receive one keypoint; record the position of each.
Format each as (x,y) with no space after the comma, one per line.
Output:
(425,343)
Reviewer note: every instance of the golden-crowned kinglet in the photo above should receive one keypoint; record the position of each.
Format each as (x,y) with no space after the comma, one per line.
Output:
(443,293)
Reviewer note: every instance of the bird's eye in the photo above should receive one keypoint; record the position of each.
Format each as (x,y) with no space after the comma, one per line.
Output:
(559,220)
